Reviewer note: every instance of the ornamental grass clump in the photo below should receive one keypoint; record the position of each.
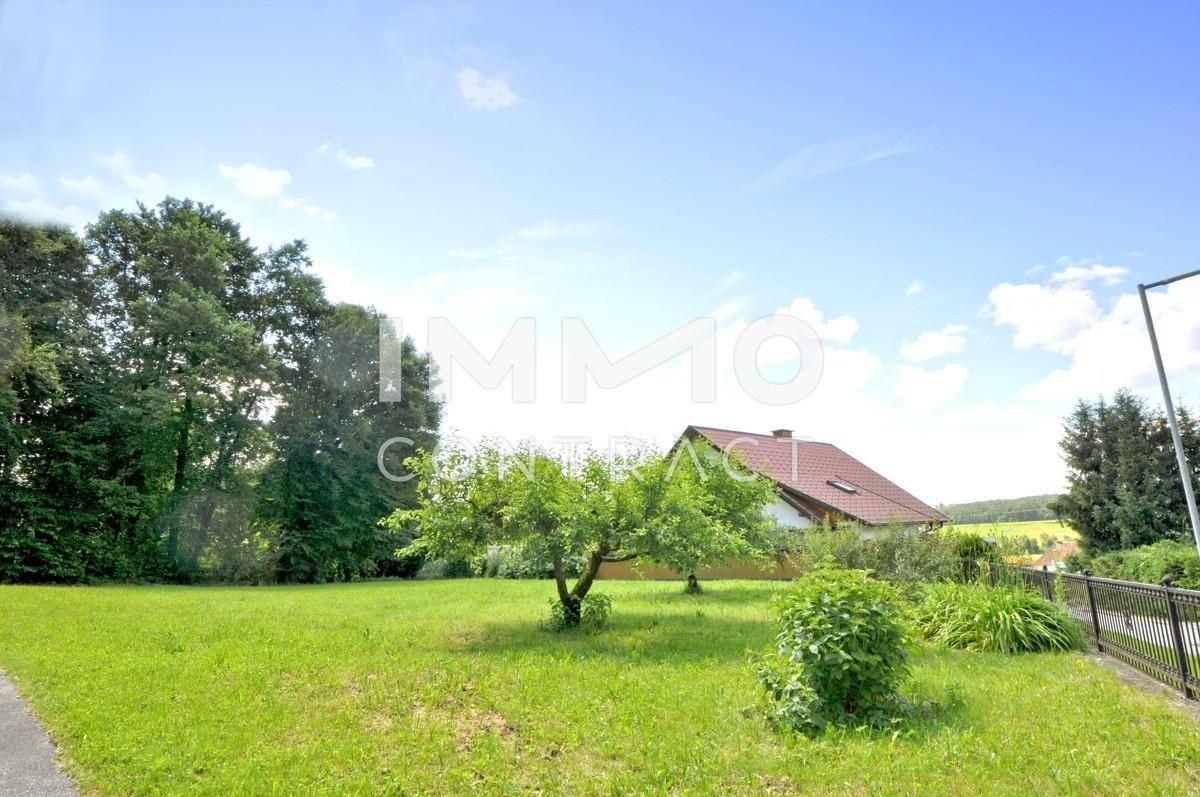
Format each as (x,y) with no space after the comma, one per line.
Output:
(1004,619)
(841,654)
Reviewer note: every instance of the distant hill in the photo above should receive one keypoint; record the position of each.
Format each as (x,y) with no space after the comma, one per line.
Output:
(1000,510)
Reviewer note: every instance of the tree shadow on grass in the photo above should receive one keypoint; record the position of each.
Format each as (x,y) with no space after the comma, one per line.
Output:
(634,636)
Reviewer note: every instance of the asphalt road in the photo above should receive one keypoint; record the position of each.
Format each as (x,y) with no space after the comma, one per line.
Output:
(27,765)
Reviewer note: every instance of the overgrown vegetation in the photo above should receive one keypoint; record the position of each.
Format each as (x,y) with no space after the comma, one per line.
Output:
(178,405)
(1149,564)
(1001,619)
(900,555)
(840,655)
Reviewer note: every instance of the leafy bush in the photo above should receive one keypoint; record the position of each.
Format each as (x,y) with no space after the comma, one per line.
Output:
(404,563)
(841,653)
(899,555)
(971,549)
(594,612)
(1004,619)
(1149,564)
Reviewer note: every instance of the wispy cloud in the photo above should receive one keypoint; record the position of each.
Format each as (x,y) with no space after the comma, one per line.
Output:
(121,165)
(84,186)
(947,340)
(352,162)
(826,158)
(914,288)
(1079,272)
(730,279)
(24,183)
(483,92)
(551,230)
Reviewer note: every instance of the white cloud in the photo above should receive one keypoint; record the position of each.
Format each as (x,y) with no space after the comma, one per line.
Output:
(947,340)
(38,209)
(147,185)
(486,93)
(920,388)
(256,182)
(24,183)
(549,230)
(1079,274)
(914,288)
(1041,315)
(826,158)
(88,186)
(352,162)
(839,329)
(1113,351)
(316,211)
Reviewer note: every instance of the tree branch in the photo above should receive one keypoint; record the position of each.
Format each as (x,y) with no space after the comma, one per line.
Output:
(624,558)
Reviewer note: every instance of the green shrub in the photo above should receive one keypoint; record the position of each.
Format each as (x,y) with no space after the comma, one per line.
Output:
(1149,564)
(899,555)
(519,561)
(1004,619)
(594,612)
(841,653)
(404,563)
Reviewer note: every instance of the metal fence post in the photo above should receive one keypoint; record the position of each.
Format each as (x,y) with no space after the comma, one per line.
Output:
(1087,585)
(1177,637)
(1047,583)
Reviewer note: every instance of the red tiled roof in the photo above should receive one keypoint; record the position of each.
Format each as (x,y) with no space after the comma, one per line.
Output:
(877,501)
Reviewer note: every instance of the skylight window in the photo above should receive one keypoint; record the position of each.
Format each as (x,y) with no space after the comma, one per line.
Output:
(846,488)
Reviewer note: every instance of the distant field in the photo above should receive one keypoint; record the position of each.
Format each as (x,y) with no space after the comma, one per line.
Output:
(1025,528)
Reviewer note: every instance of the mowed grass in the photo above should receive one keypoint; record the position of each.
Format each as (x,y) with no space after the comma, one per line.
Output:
(448,686)
(1025,528)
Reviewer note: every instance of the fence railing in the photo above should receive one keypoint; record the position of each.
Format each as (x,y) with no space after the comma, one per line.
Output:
(1155,628)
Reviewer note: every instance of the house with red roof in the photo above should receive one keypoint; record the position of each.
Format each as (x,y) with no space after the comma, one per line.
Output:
(815,480)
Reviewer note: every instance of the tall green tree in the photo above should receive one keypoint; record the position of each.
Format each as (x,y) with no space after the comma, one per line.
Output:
(1124,485)
(325,490)
(68,506)
(198,322)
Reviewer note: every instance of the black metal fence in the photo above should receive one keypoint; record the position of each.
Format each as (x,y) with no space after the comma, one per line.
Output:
(1153,628)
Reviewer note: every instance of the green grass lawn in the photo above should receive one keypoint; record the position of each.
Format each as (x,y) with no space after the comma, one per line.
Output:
(1024,528)
(445,686)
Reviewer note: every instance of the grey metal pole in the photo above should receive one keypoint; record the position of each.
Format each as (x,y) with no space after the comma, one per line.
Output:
(1185,473)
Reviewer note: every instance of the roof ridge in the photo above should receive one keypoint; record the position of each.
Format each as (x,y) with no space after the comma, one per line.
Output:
(767,435)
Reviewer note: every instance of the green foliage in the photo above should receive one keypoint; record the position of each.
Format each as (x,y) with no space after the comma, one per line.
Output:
(139,369)
(1149,564)
(1002,619)
(841,653)
(595,510)
(899,555)
(593,614)
(1124,488)
(519,561)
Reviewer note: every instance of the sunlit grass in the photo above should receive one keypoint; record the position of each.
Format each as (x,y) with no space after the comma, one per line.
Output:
(1025,528)
(445,686)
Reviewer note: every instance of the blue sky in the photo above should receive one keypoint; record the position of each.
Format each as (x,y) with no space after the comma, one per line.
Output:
(995,179)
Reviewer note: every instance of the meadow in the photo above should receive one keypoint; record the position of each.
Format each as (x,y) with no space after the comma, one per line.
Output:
(445,686)
(1024,528)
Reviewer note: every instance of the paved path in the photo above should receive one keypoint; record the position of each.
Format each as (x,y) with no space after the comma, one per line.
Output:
(27,765)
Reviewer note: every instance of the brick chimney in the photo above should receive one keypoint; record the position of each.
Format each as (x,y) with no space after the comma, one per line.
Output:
(782,433)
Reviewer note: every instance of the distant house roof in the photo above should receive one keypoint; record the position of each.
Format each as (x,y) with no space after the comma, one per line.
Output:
(1058,552)
(825,474)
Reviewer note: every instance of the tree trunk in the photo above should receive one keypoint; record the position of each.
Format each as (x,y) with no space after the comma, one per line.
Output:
(588,575)
(182,445)
(570,602)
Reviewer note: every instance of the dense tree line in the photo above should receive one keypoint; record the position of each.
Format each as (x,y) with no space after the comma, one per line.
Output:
(1001,510)
(176,404)
(1125,489)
